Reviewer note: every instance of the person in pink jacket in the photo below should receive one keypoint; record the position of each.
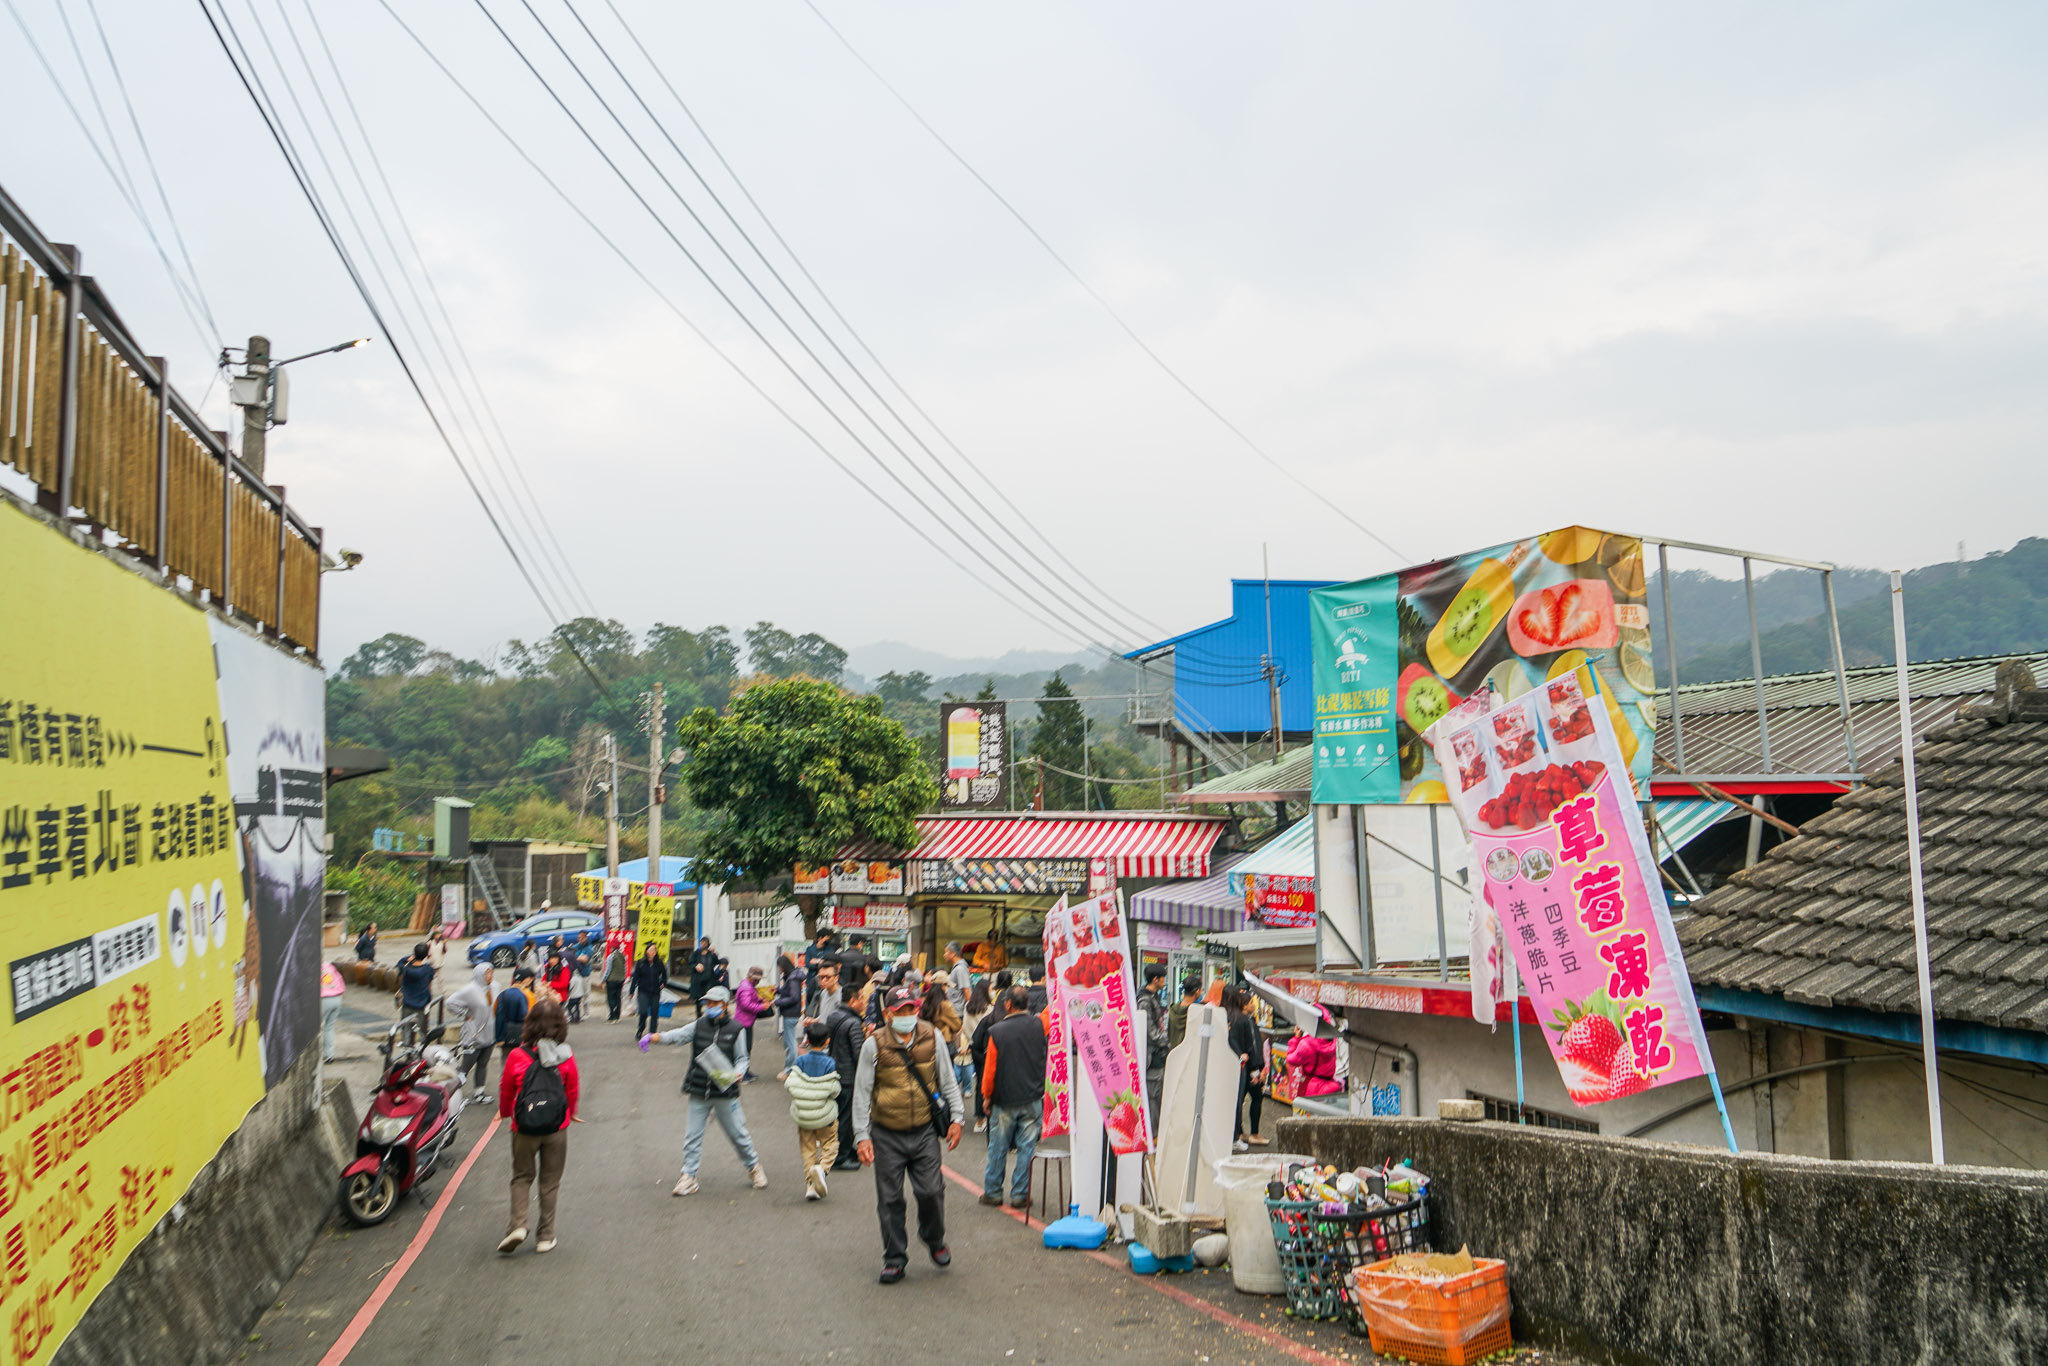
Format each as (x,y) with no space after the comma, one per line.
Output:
(748,1006)
(1313,1063)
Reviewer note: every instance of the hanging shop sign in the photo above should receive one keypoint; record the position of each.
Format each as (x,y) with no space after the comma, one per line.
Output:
(865,877)
(884,919)
(1089,956)
(1395,653)
(812,879)
(977,738)
(1057,1115)
(161,872)
(1019,876)
(657,924)
(1280,901)
(1566,874)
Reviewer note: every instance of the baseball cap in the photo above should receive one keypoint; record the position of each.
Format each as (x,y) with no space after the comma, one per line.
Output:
(901,998)
(718,994)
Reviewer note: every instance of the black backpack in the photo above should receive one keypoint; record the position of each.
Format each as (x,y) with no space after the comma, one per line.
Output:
(542,1106)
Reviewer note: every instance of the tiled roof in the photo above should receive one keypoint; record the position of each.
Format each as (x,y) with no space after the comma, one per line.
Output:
(1826,919)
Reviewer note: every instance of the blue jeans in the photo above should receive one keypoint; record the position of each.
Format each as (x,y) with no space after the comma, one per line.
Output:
(731,1118)
(790,1026)
(1011,1128)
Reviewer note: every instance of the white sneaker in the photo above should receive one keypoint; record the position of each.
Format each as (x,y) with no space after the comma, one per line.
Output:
(686,1186)
(818,1176)
(811,1193)
(758,1177)
(511,1241)
(544,1245)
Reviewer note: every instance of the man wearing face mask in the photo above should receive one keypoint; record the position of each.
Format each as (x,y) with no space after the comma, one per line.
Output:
(904,1096)
(713,1085)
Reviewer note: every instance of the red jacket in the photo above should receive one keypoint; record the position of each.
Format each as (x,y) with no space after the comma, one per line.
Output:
(516,1063)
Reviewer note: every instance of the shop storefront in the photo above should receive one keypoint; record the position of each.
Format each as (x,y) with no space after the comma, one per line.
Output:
(1174,920)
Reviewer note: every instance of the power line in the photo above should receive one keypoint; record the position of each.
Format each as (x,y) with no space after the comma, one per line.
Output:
(1099,620)
(252,82)
(1095,294)
(1063,630)
(1123,613)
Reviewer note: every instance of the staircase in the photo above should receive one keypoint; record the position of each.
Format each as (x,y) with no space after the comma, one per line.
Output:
(496,905)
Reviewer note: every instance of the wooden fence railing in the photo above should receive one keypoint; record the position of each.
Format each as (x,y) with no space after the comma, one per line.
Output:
(95,425)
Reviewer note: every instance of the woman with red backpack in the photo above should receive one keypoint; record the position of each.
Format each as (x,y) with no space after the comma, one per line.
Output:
(537,1092)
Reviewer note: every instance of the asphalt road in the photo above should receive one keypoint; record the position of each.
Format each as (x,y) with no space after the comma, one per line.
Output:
(640,1276)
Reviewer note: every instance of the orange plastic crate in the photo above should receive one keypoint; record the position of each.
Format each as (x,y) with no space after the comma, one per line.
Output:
(1443,1323)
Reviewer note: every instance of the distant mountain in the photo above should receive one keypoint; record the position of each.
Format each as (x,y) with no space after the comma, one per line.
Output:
(892,656)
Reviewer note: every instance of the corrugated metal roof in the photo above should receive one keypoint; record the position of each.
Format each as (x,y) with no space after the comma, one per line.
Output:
(1291,853)
(1805,719)
(1282,779)
(1217,683)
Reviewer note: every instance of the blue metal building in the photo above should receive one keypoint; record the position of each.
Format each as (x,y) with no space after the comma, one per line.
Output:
(1218,686)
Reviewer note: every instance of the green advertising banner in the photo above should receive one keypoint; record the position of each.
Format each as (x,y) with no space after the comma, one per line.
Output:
(1354,635)
(1395,653)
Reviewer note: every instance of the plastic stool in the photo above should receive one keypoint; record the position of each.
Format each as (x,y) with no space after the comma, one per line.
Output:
(1050,1162)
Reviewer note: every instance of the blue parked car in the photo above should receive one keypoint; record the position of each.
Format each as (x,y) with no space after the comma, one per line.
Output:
(500,947)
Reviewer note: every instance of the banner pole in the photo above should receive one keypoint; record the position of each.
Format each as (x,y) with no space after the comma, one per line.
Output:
(1720,1102)
(1515,1014)
(1920,952)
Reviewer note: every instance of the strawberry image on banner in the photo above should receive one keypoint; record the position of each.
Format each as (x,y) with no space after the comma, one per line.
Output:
(1096,997)
(1564,863)
(1058,1115)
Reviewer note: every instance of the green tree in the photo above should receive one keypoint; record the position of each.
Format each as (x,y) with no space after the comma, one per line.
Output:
(389,655)
(775,652)
(1058,740)
(910,687)
(794,770)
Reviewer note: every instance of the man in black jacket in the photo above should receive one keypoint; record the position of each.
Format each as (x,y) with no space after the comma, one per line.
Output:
(703,972)
(650,975)
(1015,1088)
(713,1085)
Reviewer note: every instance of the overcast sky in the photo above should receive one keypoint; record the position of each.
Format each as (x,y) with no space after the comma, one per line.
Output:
(1759,275)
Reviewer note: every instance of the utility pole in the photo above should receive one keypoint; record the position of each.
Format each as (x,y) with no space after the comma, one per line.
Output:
(611,809)
(656,789)
(251,393)
(1267,666)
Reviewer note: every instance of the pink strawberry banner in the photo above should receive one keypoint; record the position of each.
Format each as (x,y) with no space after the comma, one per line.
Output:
(1563,861)
(1093,975)
(1058,1115)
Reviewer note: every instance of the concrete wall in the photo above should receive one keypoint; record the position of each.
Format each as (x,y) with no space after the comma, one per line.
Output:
(1994,1114)
(192,1290)
(1638,1252)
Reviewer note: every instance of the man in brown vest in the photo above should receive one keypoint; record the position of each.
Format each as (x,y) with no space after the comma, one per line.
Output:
(902,1070)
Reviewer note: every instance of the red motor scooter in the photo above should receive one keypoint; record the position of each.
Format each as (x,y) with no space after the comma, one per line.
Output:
(409,1128)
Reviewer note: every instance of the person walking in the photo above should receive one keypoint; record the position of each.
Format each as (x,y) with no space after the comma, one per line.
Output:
(903,1094)
(1243,1037)
(789,1008)
(508,1015)
(819,951)
(538,1094)
(1037,988)
(748,1006)
(1013,1083)
(978,1044)
(471,1004)
(331,988)
(1177,1013)
(703,964)
(812,1080)
(617,967)
(1152,996)
(713,1084)
(366,944)
(649,977)
(959,978)
(973,1043)
(579,975)
(844,1034)
(415,985)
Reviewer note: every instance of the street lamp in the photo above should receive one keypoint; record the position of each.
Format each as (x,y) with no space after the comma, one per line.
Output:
(263,392)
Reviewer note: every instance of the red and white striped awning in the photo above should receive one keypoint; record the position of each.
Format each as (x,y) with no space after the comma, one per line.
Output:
(1135,846)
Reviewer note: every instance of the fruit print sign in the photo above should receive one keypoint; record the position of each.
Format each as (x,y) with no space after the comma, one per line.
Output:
(1564,864)
(1503,621)
(1090,962)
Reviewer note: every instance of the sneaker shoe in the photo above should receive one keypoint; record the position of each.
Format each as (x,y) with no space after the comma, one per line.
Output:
(758,1177)
(686,1186)
(818,1180)
(1021,1203)
(511,1241)
(811,1193)
(987,1199)
(942,1256)
(981,1126)
(1257,1140)
(891,1274)
(544,1245)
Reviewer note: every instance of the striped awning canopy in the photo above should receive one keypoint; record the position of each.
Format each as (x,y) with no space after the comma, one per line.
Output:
(1291,853)
(1135,846)
(1207,903)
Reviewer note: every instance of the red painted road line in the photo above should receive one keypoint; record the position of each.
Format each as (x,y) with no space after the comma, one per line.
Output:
(1278,1341)
(360,1324)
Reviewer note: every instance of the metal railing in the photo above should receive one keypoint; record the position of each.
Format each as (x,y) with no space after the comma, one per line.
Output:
(95,425)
